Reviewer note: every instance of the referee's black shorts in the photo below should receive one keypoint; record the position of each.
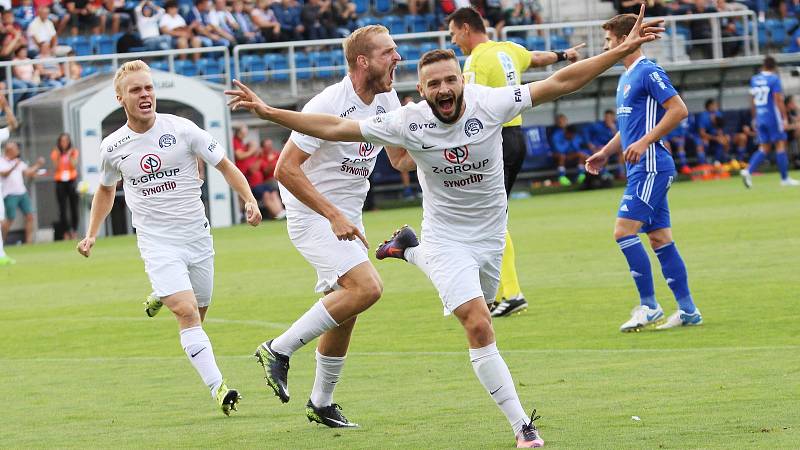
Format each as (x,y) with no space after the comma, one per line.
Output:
(513,154)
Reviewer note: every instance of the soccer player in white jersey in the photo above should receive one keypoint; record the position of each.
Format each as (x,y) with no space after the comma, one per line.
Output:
(5,260)
(454,137)
(156,157)
(323,185)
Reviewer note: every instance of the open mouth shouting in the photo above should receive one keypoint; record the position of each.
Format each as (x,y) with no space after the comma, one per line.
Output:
(145,107)
(446,104)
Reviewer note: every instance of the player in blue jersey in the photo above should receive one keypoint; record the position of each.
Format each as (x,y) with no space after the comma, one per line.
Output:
(769,116)
(648,108)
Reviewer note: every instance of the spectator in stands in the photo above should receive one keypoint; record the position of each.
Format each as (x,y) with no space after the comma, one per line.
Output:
(523,12)
(246,31)
(173,25)
(600,133)
(51,73)
(413,6)
(288,14)
(113,10)
(569,145)
(794,41)
(344,15)
(13,172)
(262,18)
(251,162)
(270,195)
(25,13)
(222,19)
(42,30)
(74,72)
(710,128)
(199,19)
(13,36)
(148,16)
(701,29)
(65,171)
(26,77)
(83,16)
(317,19)
(675,142)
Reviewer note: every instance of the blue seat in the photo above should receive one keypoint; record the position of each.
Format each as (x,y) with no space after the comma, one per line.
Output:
(383,6)
(425,47)
(535,43)
(277,62)
(213,69)
(361,6)
(324,63)
(88,70)
(410,54)
(415,24)
(339,60)
(185,67)
(777,32)
(433,22)
(302,65)
(395,24)
(103,44)
(455,48)
(517,40)
(80,45)
(559,43)
(159,65)
(367,20)
(254,68)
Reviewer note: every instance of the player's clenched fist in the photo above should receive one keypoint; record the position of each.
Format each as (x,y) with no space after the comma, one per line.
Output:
(85,246)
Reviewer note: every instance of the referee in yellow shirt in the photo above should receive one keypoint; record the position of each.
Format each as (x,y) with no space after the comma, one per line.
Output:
(498,64)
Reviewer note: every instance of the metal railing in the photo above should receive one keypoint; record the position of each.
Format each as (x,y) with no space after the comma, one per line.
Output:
(279,60)
(110,63)
(670,49)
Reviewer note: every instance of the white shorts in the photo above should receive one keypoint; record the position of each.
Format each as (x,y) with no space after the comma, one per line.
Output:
(462,272)
(329,256)
(175,267)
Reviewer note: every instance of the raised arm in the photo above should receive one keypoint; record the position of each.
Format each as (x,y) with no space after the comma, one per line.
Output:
(575,76)
(542,58)
(322,126)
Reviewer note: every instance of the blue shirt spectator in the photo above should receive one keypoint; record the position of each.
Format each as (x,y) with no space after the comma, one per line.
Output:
(288,14)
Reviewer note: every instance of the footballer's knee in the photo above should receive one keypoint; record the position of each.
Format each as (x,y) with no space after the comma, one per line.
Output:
(371,291)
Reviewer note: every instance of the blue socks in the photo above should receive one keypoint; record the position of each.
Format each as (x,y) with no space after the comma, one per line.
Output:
(639,264)
(701,157)
(674,271)
(741,153)
(783,164)
(682,158)
(756,160)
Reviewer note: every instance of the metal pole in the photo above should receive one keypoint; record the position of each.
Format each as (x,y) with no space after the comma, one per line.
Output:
(716,36)
(292,72)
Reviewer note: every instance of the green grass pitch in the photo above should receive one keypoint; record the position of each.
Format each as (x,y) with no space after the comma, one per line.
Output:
(82,366)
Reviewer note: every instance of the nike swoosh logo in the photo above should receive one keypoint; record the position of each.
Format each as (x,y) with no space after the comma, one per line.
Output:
(126,156)
(426,147)
(649,317)
(302,341)
(198,352)
(495,391)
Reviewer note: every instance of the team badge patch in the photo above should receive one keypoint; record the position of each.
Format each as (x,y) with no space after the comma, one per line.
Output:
(456,155)
(166,141)
(150,163)
(473,127)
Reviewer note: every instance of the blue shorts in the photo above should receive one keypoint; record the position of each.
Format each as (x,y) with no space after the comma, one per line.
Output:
(768,133)
(12,202)
(645,200)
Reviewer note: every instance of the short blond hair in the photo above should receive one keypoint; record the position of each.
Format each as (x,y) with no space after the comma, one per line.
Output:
(127,69)
(360,43)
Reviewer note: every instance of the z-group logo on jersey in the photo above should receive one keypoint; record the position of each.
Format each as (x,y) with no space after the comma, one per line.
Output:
(365,149)
(150,163)
(166,140)
(456,155)
(473,127)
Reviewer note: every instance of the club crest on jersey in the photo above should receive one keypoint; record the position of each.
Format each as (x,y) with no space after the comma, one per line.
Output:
(380,110)
(473,127)
(150,163)
(166,141)
(365,149)
(456,155)
(626,90)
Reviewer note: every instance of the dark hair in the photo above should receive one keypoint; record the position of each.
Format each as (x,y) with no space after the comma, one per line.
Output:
(435,56)
(69,142)
(770,63)
(469,16)
(621,25)
(609,111)
(571,129)
(709,101)
(170,4)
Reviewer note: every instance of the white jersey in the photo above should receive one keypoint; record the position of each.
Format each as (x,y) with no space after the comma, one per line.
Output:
(14,183)
(459,165)
(338,170)
(160,176)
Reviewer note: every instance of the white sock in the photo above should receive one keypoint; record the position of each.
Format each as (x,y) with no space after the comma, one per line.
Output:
(493,374)
(308,327)
(197,346)
(329,368)
(416,256)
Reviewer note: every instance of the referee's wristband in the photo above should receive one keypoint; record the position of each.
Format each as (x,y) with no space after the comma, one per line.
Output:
(560,55)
